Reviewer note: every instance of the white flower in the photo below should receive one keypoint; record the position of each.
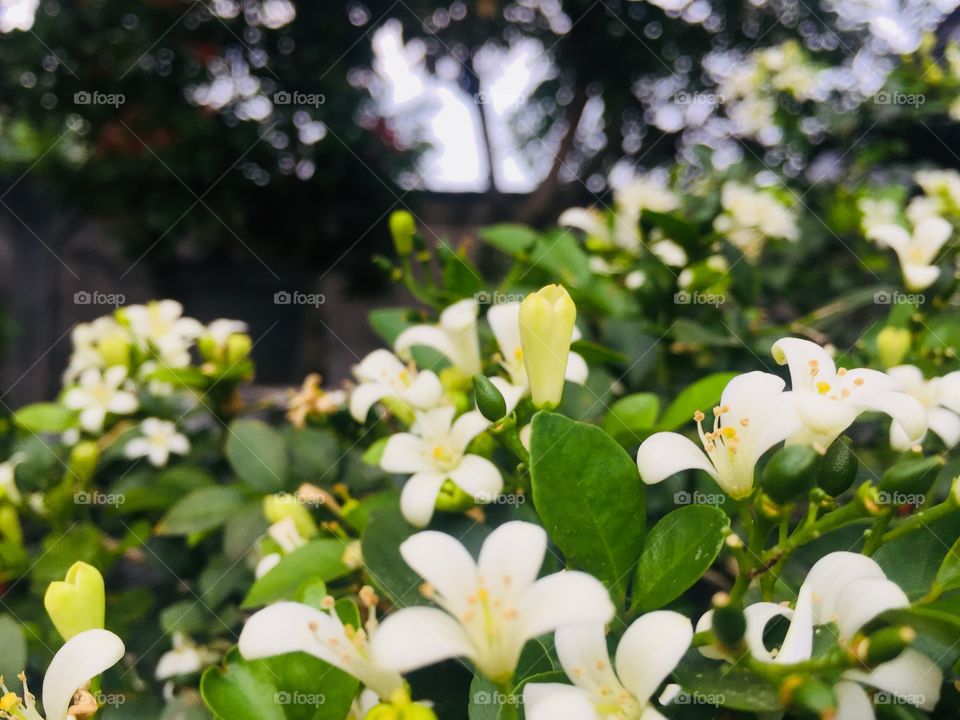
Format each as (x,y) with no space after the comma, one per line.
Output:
(846,590)
(186,658)
(504,320)
(159,439)
(942,184)
(940,397)
(491,607)
(751,216)
(293,627)
(87,339)
(220,331)
(631,199)
(160,324)
(918,251)
(8,478)
(97,394)
(381,374)
(828,399)
(455,336)
(875,212)
(82,658)
(648,652)
(754,415)
(435,451)
(590,220)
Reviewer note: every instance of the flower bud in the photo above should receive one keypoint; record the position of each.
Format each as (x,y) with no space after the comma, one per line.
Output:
(10,528)
(238,347)
(884,645)
(402,228)
(790,472)
(729,623)
(452,498)
(839,468)
(115,349)
(284,505)
(489,400)
(892,345)
(77,603)
(547,318)
(83,461)
(911,476)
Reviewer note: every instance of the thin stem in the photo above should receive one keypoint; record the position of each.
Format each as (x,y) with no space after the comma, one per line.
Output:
(922,519)
(507,700)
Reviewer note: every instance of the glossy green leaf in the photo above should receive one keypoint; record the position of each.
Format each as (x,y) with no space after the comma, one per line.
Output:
(631,419)
(258,454)
(201,510)
(317,560)
(508,238)
(702,395)
(45,418)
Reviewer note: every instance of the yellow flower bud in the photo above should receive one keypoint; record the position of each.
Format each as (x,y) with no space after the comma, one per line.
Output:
(547,318)
(77,603)
(285,505)
(83,461)
(238,347)
(893,345)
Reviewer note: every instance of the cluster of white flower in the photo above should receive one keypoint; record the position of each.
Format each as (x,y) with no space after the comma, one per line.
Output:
(755,413)
(750,217)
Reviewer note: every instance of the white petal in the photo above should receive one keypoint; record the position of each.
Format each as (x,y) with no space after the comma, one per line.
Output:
(479,477)
(514,550)
(577,369)
(890,235)
(467,427)
(583,219)
(136,448)
(512,394)
(824,416)
(948,389)
(797,354)
(555,701)
(930,234)
(666,453)
(444,562)
(92,417)
(898,438)
(504,320)
(158,455)
(582,649)
(909,413)
(710,651)
(912,677)
(122,403)
(650,649)
(908,377)
(416,637)
(426,391)
(363,397)
(285,627)
(853,703)
(919,277)
(378,366)
(426,335)
(862,600)
(758,616)
(562,598)
(830,575)
(419,497)
(178,444)
(82,658)
(946,425)
(115,375)
(406,453)
(797,645)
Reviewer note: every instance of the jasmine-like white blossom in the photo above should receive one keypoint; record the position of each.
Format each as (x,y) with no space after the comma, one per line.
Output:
(82,658)
(846,590)
(382,374)
(8,478)
(161,326)
(648,652)
(829,399)
(489,608)
(754,414)
(434,452)
(751,216)
(917,251)
(454,336)
(158,440)
(940,397)
(97,394)
(184,658)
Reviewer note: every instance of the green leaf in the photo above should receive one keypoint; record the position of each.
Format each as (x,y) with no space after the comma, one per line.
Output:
(314,454)
(388,323)
(948,576)
(13,659)
(675,228)
(201,510)
(913,560)
(508,238)
(679,549)
(317,560)
(45,418)
(702,395)
(560,255)
(258,454)
(630,419)
(588,494)
(726,685)
(157,491)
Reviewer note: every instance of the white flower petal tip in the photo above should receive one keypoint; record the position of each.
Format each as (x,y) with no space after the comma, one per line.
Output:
(82,658)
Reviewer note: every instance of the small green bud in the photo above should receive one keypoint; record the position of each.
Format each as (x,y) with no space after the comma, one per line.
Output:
(729,622)
(10,528)
(238,347)
(489,400)
(892,345)
(812,697)
(790,472)
(884,645)
(83,461)
(454,379)
(78,602)
(402,227)
(452,498)
(838,468)
(401,410)
(911,476)
(115,349)
(286,505)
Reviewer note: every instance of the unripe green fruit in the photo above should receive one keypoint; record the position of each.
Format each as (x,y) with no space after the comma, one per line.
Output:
(838,468)
(790,472)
